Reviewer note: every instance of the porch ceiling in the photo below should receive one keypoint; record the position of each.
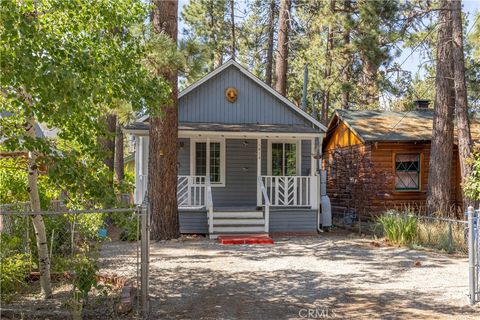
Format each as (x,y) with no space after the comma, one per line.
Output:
(223,127)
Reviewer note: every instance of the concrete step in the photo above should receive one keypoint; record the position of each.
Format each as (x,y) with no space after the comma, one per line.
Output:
(238,229)
(237,214)
(238,221)
(216,235)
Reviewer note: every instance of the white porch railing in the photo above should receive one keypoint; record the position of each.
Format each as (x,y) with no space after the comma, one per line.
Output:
(290,191)
(209,201)
(266,203)
(192,191)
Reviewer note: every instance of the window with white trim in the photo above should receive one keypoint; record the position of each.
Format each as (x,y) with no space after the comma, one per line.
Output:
(214,161)
(284,158)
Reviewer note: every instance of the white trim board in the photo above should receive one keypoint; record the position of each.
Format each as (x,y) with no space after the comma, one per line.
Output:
(234,135)
(256,80)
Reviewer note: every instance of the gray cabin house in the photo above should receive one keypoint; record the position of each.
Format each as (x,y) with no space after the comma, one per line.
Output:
(248,158)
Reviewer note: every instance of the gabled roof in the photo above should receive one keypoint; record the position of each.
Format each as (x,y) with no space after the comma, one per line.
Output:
(250,75)
(41,129)
(376,125)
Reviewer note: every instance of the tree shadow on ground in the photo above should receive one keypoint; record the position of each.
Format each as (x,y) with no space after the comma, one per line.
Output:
(198,283)
(188,293)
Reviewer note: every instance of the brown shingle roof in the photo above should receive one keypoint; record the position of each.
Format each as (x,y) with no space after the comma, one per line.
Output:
(375,125)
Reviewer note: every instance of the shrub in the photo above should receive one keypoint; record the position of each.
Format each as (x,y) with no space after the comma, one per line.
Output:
(399,228)
(471,187)
(85,269)
(127,222)
(13,271)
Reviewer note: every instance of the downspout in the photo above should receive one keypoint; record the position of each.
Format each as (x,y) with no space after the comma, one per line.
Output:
(317,152)
(324,213)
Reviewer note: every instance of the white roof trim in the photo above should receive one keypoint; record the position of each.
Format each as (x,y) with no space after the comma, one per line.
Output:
(143,118)
(229,134)
(255,79)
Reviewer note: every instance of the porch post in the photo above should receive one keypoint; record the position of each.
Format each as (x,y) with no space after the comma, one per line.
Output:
(259,170)
(207,169)
(314,177)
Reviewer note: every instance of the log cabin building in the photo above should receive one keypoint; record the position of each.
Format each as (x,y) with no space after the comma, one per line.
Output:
(377,160)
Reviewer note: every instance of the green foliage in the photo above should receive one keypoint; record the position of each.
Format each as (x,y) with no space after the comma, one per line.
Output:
(13,183)
(398,227)
(207,23)
(85,270)
(13,271)
(471,187)
(66,64)
(128,225)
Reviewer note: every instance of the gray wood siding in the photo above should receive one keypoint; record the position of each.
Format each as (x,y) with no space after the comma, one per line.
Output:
(306,157)
(193,221)
(184,157)
(241,175)
(240,170)
(264,165)
(293,220)
(254,104)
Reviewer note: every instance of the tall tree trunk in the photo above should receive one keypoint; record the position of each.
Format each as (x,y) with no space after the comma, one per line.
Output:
(271,30)
(162,159)
(346,71)
(232,17)
(107,141)
(328,67)
(439,194)
(38,223)
(118,163)
(461,107)
(371,91)
(281,61)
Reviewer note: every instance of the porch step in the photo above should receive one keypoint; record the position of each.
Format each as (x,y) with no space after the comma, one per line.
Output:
(237,214)
(238,222)
(238,229)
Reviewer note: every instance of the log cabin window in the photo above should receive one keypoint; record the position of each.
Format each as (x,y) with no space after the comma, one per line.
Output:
(407,172)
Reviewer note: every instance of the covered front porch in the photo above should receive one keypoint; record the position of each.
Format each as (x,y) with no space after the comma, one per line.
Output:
(234,182)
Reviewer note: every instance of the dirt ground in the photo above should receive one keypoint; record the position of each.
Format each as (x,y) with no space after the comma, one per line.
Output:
(330,276)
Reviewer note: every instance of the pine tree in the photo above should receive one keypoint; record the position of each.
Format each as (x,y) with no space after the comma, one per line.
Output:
(440,166)
(205,22)
(281,60)
(256,38)
(461,107)
(162,160)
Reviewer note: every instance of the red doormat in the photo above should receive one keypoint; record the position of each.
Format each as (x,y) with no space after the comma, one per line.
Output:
(245,239)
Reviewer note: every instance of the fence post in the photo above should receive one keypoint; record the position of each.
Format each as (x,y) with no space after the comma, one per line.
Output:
(471,255)
(145,256)
(450,237)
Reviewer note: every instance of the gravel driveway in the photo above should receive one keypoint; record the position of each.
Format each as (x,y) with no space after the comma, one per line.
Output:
(332,275)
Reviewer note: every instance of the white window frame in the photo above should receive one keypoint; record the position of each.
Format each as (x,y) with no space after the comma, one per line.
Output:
(298,153)
(222,158)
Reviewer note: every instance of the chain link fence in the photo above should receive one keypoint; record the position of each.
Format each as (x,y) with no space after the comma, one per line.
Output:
(473,217)
(442,234)
(92,275)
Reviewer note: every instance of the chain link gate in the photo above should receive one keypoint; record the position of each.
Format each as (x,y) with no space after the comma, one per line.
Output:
(75,240)
(474,254)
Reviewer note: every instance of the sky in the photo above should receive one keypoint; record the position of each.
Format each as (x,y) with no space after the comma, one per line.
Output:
(408,60)
(470,7)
